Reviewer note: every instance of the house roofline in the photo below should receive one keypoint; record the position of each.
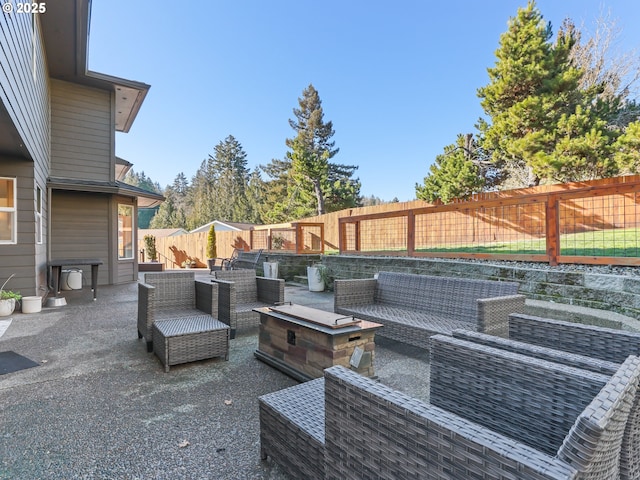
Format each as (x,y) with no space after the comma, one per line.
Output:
(65,28)
(146,198)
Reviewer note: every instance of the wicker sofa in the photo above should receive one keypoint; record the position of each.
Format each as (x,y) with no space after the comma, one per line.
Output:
(493,414)
(414,307)
(240,291)
(167,295)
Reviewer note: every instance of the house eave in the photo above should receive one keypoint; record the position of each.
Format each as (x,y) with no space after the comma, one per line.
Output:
(145,198)
(65,28)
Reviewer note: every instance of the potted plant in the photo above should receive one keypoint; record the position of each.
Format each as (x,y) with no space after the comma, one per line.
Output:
(8,299)
(150,245)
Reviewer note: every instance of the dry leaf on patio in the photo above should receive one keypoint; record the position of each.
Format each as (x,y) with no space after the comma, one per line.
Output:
(184,444)
(228,402)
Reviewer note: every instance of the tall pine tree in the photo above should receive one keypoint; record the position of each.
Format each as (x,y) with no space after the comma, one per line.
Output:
(314,179)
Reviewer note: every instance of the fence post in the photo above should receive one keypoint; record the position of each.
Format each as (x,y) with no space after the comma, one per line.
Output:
(299,239)
(552,221)
(411,233)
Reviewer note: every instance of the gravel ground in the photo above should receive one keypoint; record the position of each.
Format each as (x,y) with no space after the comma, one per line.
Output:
(564,267)
(100,407)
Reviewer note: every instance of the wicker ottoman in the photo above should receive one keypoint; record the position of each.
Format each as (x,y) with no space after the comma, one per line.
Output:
(188,339)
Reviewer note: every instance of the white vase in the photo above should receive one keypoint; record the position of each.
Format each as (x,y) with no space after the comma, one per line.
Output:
(31,304)
(270,269)
(7,306)
(314,279)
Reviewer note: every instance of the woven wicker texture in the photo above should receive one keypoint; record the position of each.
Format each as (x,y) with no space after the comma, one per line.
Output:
(292,429)
(373,431)
(566,358)
(240,291)
(506,392)
(630,452)
(414,307)
(598,342)
(188,339)
(604,346)
(168,295)
(593,445)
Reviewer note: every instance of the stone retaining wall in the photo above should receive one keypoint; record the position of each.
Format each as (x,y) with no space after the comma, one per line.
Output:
(617,293)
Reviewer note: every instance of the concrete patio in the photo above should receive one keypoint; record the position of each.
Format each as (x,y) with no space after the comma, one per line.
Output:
(99,406)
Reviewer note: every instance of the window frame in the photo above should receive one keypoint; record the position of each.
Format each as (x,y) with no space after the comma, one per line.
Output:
(13,212)
(122,231)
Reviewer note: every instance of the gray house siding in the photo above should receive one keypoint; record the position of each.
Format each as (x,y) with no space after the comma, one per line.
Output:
(81,132)
(25,97)
(80,229)
(24,80)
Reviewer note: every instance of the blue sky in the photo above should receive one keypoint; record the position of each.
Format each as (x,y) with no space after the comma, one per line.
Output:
(397,79)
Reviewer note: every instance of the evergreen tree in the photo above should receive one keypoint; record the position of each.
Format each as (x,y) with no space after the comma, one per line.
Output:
(627,149)
(255,194)
(172,212)
(544,117)
(140,180)
(313,177)
(453,175)
(533,85)
(276,199)
(218,190)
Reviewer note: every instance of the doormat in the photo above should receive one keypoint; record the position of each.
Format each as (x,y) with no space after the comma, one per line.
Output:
(12,362)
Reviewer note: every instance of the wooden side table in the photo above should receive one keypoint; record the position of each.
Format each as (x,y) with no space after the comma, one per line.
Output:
(189,339)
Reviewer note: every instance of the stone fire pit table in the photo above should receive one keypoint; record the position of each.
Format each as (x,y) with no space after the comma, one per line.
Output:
(302,341)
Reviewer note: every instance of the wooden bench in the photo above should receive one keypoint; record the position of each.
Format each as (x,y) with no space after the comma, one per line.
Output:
(412,307)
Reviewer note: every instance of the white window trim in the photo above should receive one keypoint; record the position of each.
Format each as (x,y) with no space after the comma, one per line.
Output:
(132,231)
(14,211)
(38,212)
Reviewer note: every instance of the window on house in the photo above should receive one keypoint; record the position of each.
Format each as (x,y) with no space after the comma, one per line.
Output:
(125,232)
(38,215)
(8,213)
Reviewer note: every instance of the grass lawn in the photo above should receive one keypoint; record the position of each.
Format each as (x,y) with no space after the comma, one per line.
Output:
(601,243)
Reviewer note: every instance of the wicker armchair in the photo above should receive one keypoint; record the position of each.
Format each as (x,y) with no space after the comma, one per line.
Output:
(493,414)
(166,295)
(240,291)
(588,347)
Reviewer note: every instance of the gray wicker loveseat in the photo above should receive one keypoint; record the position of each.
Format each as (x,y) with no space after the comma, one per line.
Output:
(414,307)
(492,414)
(240,291)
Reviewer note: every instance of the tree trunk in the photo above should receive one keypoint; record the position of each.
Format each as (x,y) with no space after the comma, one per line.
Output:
(319,196)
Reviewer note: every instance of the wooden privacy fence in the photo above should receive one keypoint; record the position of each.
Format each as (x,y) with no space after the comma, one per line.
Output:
(595,224)
(299,237)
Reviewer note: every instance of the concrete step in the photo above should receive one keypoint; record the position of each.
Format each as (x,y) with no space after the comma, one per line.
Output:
(576,313)
(301,279)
